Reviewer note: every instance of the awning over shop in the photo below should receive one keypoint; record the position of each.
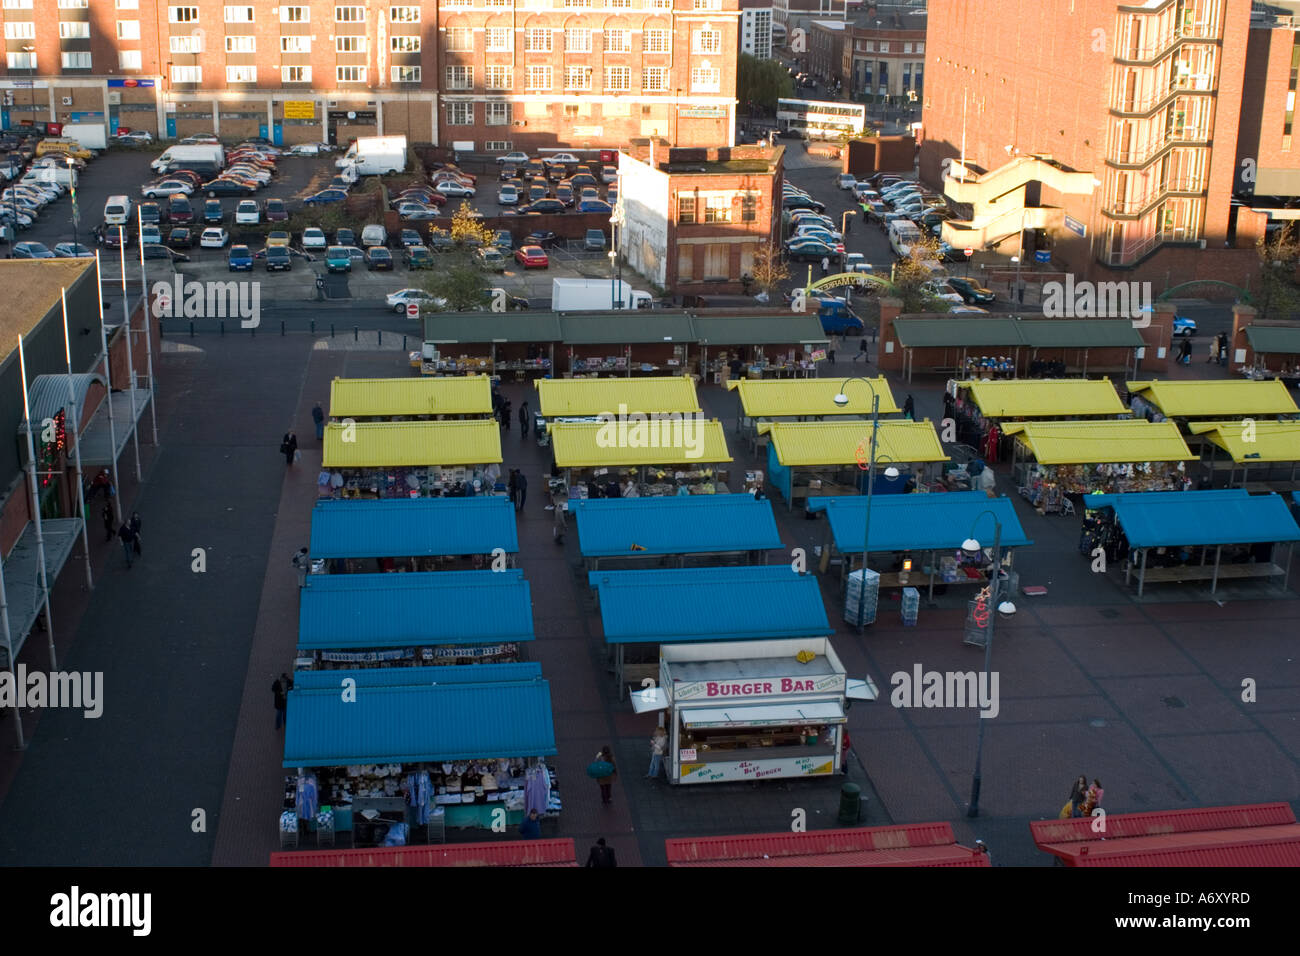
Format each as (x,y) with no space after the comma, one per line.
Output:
(1215,398)
(1010,332)
(512,853)
(1103,442)
(626,328)
(1045,398)
(427,395)
(412,444)
(809,397)
(475,328)
(402,610)
(718,330)
(616,444)
(589,397)
(1081,334)
(390,528)
(22,575)
(1161,519)
(1263,834)
(688,605)
(408,724)
(814,444)
(97,448)
(935,522)
(770,715)
(698,524)
(414,676)
(48,395)
(921,844)
(1253,442)
(1273,340)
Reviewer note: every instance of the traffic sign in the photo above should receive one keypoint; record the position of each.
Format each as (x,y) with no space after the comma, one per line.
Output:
(412,310)
(1043,255)
(968,252)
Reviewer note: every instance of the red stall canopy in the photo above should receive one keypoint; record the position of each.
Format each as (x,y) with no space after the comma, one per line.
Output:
(925,844)
(514,853)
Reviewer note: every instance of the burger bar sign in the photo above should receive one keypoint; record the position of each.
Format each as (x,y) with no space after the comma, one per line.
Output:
(761,687)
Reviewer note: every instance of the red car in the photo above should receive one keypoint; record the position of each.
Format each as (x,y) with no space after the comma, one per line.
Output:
(532,257)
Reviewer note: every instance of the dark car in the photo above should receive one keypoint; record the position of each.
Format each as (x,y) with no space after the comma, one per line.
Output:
(275,210)
(213,214)
(181,238)
(545,207)
(564,193)
(508,172)
(409,237)
(504,240)
(345,237)
(278,259)
(545,239)
(179,210)
(155,251)
(584,179)
(229,187)
(537,190)
(595,205)
(557,173)
(802,202)
(440,241)
(810,250)
(150,213)
(377,257)
(972,292)
(113,238)
(239,259)
(418,257)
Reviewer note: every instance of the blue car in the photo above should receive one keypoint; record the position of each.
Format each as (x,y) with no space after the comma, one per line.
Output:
(1184,326)
(240,259)
(326,195)
(32,250)
(595,205)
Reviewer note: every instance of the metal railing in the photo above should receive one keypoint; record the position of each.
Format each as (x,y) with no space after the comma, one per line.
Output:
(1144,154)
(1132,252)
(1157,98)
(1136,207)
(1158,48)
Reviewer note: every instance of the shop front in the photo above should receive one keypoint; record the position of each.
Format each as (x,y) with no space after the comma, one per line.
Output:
(503,344)
(758,347)
(424,459)
(652,343)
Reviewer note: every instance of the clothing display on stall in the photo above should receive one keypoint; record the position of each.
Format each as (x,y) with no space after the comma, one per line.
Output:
(307,800)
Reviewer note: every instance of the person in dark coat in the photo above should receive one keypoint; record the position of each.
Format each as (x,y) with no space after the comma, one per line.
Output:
(280,689)
(512,485)
(289,447)
(909,408)
(521,484)
(128,541)
(110,521)
(601,856)
(135,529)
(523,420)
(531,827)
(505,414)
(318,416)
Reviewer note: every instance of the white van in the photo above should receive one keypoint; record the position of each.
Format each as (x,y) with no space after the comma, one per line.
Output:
(117,211)
(374,235)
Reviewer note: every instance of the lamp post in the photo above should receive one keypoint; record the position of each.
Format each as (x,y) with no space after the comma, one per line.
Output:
(30,51)
(72,189)
(844,225)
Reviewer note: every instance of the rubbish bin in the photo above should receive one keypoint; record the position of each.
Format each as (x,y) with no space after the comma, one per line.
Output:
(850,804)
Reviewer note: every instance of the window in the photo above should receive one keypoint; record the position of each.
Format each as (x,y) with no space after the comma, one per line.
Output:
(129,60)
(350,74)
(187,74)
(706,79)
(296,44)
(126,29)
(21,61)
(182,14)
(76,61)
(577,41)
(717,263)
(571,111)
(662,4)
(573,4)
(500,39)
(654,79)
(884,46)
(749,208)
(460,77)
(349,14)
(618,79)
(295,14)
(26,30)
(460,114)
(355,43)
(685,209)
(18,4)
(190,43)
(907,76)
(498,77)
(538,40)
(618,41)
(577,77)
(241,74)
(73,4)
(920,48)
(706,4)
(404,14)
(618,3)
(685,263)
(295,74)
(706,41)
(498,114)
(74,30)
(239,14)
(539,77)
(498,146)
(241,44)
(717,208)
(128,4)
(658,41)
(406,74)
(459,40)
(907,48)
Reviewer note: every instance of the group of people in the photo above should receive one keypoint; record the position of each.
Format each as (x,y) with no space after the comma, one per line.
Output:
(289,443)
(501,412)
(1084,798)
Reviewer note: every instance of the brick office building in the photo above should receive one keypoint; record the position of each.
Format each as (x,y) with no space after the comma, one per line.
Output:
(1114,139)
(884,54)
(503,74)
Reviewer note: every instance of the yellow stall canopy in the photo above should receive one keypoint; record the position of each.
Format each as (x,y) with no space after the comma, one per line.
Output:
(589,397)
(1249,441)
(1045,398)
(392,397)
(681,440)
(1101,443)
(1216,398)
(815,444)
(395,444)
(804,397)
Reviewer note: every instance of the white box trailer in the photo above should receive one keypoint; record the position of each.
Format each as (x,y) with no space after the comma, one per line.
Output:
(198,152)
(375,155)
(596,295)
(89,135)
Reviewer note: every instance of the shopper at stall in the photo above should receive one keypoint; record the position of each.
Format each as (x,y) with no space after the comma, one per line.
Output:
(604,771)
(1077,795)
(300,562)
(658,747)
(630,489)
(601,856)
(523,420)
(531,827)
(289,447)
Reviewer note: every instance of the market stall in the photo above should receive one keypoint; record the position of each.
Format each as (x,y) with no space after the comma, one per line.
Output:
(410,399)
(647,608)
(811,459)
(427,534)
(750,710)
(1054,459)
(442,618)
(909,844)
(1274,351)
(1264,449)
(664,530)
(592,397)
(980,407)
(411,459)
(529,853)
(1213,536)
(669,455)
(647,343)
(933,527)
(759,347)
(402,757)
(761,401)
(518,344)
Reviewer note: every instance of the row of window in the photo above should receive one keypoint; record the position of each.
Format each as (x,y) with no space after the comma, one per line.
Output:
(618,79)
(585,4)
(130,30)
(130,60)
(577,40)
(242,13)
(869,46)
(715,208)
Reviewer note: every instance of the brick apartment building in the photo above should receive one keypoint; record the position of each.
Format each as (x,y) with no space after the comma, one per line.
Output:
(1118,138)
(883,54)
(502,74)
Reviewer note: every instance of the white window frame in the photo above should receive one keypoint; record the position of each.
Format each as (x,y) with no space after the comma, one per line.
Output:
(304,72)
(128,4)
(657,40)
(534,34)
(463,38)
(459,77)
(359,69)
(129,33)
(239,13)
(349,14)
(130,60)
(73,4)
(625,72)
(185,43)
(542,72)
(404,43)
(706,42)
(406,73)
(624,38)
(182,14)
(706,79)
(241,44)
(179,72)
(20,61)
(577,40)
(350,43)
(581,73)
(502,70)
(460,113)
(660,73)
(295,43)
(17,4)
(74,30)
(234,74)
(499,39)
(505,114)
(405,16)
(295,14)
(21,29)
(70,59)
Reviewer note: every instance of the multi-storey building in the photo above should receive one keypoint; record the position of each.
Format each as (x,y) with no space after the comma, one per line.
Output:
(501,74)
(884,54)
(756,28)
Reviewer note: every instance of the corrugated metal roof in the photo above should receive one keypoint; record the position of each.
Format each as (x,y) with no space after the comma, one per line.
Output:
(513,853)
(1273,340)
(1081,334)
(708,604)
(1196,819)
(1101,442)
(426,395)
(397,444)
(799,397)
(1249,441)
(1215,398)
(585,397)
(921,856)
(1270,846)
(626,328)
(770,848)
(696,524)
(390,528)
(394,610)
(476,328)
(811,444)
(1159,519)
(1045,398)
(600,444)
(47,395)
(939,522)
(718,330)
(411,724)
(415,676)
(958,333)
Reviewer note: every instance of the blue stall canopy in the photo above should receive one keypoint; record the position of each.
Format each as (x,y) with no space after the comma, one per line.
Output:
(402,610)
(1162,519)
(682,605)
(698,524)
(933,522)
(406,527)
(417,676)
(409,724)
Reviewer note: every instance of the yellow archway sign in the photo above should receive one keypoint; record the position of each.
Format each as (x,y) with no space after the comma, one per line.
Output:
(861,280)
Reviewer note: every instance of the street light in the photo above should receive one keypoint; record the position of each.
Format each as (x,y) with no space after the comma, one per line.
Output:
(30,51)
(613,283)
(72,189)
(844,224)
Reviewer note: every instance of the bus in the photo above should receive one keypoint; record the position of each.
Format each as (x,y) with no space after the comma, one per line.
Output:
(821,119)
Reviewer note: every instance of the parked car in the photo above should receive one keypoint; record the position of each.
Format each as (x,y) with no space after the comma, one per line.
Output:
(314,238)
(545,239)
(345,237)
(417,257)
(277,238)
(491,258)
(398,301)
(564,159)
(409,237)
(275,210)
(212,212)
(247,213)
(564,193)
(507,195)
(971,292)
(594,241)
(338,259)
(214,237)
(149,212)
(73,250)
(516,158)
(504,240)
(326,196)
(441,241)
(545,207)
(179,210)
(379,258)
(133,137)
(181,238)
(532,257)
(167,187)
(150,235)
(450,188)
(159,251)
(229,187)
(278,259)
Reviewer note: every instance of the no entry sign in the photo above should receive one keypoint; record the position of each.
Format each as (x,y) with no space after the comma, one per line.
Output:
(969,252)
(412,310)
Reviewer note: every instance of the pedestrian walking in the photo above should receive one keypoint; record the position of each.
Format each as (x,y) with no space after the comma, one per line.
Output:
(949,406)
(1223,348)
(318,416)
(559,506)
(1214,350)
(289,447)
(135,529)
(862,351)
(909,408)
(523,420)
(601,856)
(101,482)
(300,563)
(1185,352)
(830,350)
(521,485)
(128,541)
(505,414)
(531,828)
(604,771)
(658,746)
(512,485)
(826,265)
(110,521)
(1078,793)
(280,689)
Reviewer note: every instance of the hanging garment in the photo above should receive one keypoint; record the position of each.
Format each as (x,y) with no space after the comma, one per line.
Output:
(537,789)
(991,444)
(418,790)
(306,800)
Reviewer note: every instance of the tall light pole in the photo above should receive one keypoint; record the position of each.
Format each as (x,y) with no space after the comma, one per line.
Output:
(844,224)
(31,82)
(72,189)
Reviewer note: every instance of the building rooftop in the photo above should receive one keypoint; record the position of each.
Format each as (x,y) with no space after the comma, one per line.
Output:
(34,287)
(749,159)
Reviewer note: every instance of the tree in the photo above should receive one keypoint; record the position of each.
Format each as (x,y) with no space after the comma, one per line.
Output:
(770,269)
(462,285)
(1278,292)
(912,276)
(469,229)
(762,82)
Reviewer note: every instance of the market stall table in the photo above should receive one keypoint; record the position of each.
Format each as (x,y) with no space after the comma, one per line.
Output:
(404,399)
(766,346)
(671,454)
(981,406)
(521,344)
(810,399)
(411,459)
(1278,346)
(642,343)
